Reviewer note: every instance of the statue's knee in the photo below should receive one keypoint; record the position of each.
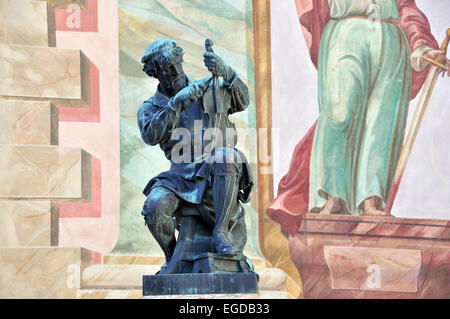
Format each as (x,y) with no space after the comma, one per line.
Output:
(159,206)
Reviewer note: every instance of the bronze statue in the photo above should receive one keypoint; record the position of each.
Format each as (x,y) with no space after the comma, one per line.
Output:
(206,180)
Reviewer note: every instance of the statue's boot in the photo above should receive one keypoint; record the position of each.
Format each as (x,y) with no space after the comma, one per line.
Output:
(225,192)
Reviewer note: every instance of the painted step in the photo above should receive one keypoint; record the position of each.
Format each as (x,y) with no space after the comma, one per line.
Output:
(267,294)
(260,264)
(137,294)
(132,260)
(130,277)
(272,279)
(116,276)
(109,294)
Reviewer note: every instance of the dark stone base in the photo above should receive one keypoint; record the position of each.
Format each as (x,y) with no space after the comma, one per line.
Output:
(213,263)
(195,284)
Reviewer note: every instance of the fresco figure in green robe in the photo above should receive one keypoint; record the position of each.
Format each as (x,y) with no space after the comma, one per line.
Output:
(365,75)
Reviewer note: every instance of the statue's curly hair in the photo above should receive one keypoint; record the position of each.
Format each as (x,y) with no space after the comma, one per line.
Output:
(161,58)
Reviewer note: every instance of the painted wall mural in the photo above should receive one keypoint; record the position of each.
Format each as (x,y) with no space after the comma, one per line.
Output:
(74,164)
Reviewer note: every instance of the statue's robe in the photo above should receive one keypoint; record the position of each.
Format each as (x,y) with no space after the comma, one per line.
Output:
(365,85)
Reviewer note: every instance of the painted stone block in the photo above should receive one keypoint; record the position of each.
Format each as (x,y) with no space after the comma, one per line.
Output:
(28,224)
(44,172)
(27,23)
(28,122)
(42,273)
(49,74)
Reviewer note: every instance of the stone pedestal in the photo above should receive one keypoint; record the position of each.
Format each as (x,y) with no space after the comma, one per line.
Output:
(341,256)
(200,284)
(213,263)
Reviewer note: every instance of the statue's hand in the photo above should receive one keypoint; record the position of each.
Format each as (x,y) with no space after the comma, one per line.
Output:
(217,66)
(187,96)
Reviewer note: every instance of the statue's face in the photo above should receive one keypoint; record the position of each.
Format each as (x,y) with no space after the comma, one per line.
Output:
(172,78)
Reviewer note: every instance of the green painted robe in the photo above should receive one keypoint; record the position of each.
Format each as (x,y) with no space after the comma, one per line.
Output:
(364,88)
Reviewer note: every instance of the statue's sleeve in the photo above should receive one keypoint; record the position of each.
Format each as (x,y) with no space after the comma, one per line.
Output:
(417,29)
(155,123)
(240,98)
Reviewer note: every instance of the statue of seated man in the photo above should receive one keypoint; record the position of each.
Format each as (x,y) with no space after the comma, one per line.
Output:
(214,176)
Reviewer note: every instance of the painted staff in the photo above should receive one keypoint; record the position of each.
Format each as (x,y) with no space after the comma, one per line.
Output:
(437,66)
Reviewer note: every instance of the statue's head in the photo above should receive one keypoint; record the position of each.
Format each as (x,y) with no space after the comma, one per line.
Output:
(163,59)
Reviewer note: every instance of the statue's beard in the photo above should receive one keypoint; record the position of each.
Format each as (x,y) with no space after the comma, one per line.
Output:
(179,83)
